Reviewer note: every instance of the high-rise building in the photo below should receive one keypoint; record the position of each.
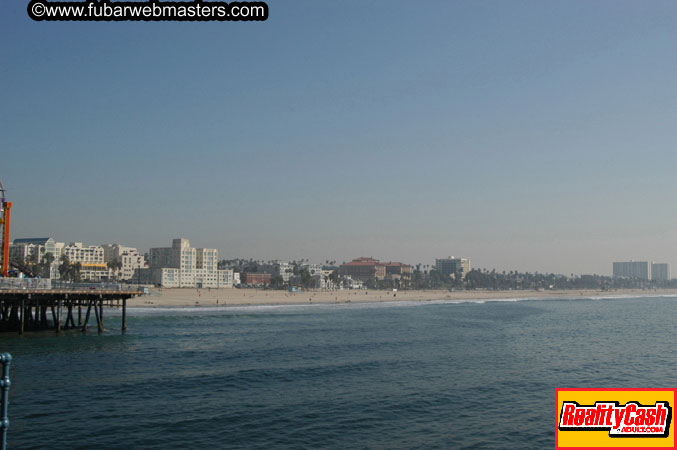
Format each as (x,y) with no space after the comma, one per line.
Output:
(453,266)
(660,272)
(183,266)
(632,269)
(206,271)
(173,266)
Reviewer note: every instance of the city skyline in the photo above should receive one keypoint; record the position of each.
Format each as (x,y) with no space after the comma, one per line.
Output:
(446,265)
(524,136)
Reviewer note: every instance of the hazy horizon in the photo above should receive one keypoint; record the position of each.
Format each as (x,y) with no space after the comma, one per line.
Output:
(531,136)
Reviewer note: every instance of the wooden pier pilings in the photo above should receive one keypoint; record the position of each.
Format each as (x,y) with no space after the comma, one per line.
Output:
(24,310)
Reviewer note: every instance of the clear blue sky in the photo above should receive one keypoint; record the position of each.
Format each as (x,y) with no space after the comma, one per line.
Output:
(524,135)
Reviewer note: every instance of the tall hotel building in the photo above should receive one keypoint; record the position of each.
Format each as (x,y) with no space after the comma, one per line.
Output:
(452,266)
(183,266)
(660,272)
(632,269)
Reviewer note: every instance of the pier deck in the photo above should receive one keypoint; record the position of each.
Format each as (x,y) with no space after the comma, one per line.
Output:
(24,310)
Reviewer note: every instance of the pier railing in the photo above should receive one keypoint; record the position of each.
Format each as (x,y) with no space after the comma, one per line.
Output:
(46,283)
(108,286)
(5,359)
(25,283)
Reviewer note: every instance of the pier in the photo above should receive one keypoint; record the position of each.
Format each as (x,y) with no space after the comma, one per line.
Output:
(25,310)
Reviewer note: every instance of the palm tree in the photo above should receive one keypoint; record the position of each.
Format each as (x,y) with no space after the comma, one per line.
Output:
(69,271)
(64,267)
(46,265)
(114,266)
(75,272)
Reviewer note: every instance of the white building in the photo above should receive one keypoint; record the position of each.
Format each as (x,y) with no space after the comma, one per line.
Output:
(352,283)
(283,269)
(313,269)
(129,258)
(452,266)
(226,278)
(26,251)
(325,280)
(206,271)
(183,266)
(316,273)
(93,267)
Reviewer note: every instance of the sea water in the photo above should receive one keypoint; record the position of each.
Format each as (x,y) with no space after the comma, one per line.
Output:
(384,375)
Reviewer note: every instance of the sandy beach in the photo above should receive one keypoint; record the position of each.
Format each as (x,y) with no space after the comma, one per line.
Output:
(239,297)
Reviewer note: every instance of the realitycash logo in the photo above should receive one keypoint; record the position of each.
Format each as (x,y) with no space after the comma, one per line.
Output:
(597,418)
(632,419)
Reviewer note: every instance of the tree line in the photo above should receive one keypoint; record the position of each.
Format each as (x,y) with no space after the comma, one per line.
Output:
(514,280)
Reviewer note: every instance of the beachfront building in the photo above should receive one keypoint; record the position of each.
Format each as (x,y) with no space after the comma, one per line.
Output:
(660,272)
(225,278)
(129,258)
(398,271)
(370,269)
(173,266)
(206,272)
(317,275)
(363,269)
(324,282)
(452,266)
(351,283)
(181,266)
(91,259)
(632,269)
(315,270)
(255,278)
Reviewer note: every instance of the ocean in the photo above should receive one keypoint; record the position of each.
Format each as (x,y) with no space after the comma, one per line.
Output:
(380,375)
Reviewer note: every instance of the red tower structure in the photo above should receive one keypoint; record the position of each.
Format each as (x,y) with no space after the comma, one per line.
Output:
(5,215)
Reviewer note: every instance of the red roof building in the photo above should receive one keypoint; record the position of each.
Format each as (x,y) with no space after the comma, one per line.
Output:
(398,270)
(363,269)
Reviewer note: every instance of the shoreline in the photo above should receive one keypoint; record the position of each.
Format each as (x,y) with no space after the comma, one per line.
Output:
(192,297)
